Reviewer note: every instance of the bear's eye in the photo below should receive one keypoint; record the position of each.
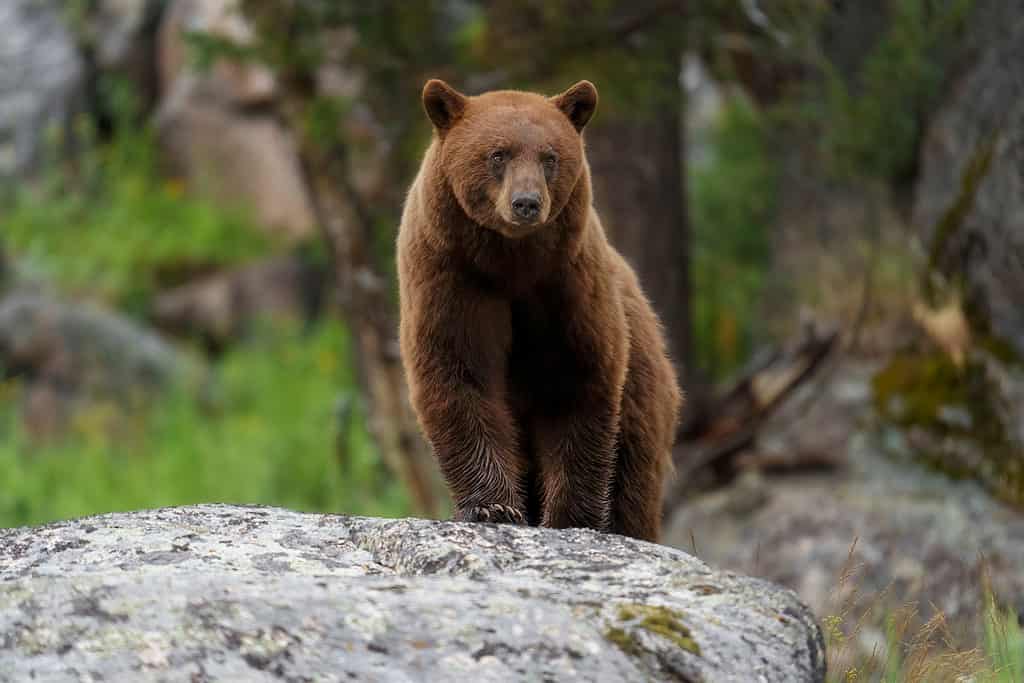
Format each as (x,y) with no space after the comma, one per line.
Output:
(550,162)
(498,156)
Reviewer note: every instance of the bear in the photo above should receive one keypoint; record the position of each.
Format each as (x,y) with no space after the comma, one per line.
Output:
(536,366)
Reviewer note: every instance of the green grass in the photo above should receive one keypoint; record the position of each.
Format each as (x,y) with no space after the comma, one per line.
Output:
(1004,646)
(915,649)
(124,243)
(928,654)
(270,435)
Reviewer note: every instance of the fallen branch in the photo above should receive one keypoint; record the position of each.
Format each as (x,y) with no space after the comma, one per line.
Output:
(731,422)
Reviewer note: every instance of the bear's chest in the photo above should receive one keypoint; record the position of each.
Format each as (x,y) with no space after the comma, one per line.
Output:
(544,370)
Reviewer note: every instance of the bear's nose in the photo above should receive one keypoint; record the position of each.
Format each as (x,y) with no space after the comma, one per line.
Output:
(526,205)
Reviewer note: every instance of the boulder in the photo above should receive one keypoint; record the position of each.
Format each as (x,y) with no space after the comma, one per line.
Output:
(238,83)
(73,355)
(39,332)
(240,159)
(220,307)
(215,592)
(41,76)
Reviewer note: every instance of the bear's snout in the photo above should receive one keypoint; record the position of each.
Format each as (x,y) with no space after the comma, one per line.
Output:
(526,206)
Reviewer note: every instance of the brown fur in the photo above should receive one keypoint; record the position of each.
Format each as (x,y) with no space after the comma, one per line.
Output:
(537,367)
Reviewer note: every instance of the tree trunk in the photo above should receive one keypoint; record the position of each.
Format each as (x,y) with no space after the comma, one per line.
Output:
(640,189)
(364,299)
(347,225)
(366,304)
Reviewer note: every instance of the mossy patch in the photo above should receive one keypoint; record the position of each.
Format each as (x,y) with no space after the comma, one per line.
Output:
(660,621)
(623,640)
(954,216)
(957,408)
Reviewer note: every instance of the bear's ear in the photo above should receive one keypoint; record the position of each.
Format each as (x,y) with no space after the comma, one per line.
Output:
(443,103)
(578,103)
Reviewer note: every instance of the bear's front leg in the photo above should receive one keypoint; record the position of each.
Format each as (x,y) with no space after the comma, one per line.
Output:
(577,463)
(454,344)
(576,436)
(474,440)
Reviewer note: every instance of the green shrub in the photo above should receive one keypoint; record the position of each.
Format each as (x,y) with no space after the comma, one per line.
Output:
(106,224)
(268,432)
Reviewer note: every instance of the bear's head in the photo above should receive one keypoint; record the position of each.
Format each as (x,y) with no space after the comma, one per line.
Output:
(511,158)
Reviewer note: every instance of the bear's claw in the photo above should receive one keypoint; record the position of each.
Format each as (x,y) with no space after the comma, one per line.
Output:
(494,513)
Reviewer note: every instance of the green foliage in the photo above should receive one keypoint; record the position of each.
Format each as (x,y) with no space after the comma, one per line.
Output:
(872,121)
(272,435)
(108,225)
(322,118)
(733,202)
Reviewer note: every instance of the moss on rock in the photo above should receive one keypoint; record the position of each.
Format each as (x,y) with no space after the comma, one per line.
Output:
(954,418)
(660,621)
(623,640)
(953,218)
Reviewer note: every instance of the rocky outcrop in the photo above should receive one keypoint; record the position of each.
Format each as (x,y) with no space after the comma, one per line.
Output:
(878,530)
(235,593)
(962,414)
(904,535)
(40,81)
(970,193)
(53,55)
(217,128)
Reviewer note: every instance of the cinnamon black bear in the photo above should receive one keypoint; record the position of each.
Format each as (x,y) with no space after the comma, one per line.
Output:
(536,366)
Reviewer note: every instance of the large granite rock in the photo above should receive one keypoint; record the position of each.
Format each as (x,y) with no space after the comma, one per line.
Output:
(218,592)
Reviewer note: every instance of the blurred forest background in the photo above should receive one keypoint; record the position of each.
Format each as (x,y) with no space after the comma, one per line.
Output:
(823,198)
